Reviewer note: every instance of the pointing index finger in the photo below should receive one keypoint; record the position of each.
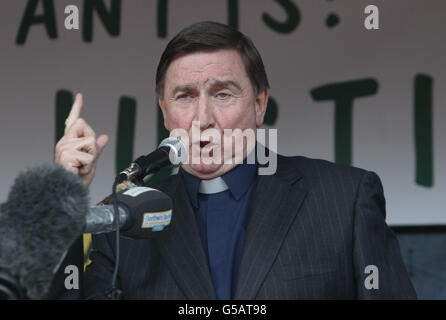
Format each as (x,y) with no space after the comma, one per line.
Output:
(75,112)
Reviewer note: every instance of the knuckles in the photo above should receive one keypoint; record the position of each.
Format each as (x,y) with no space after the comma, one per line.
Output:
(81,125)
(77,150)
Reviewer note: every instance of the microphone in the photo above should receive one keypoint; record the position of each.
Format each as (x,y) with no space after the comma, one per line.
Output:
(171,152)
(143,212)
(44,213)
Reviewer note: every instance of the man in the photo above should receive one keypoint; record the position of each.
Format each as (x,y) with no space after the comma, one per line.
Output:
(311,230)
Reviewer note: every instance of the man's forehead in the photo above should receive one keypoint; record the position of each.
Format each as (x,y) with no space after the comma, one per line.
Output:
(221,67)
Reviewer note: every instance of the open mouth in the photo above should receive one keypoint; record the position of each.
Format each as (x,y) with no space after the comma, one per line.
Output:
(204,144)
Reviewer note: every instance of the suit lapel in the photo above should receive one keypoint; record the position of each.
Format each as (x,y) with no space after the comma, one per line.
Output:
(274,205)
(182,250)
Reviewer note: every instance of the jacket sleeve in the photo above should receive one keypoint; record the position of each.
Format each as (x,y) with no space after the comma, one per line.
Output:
(379,269)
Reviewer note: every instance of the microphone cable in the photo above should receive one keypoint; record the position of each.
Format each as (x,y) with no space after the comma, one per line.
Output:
(115,293)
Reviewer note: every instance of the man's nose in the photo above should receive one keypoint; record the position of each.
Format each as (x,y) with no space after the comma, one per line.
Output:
(205,113)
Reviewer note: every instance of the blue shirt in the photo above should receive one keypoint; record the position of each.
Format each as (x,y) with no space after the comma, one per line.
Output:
(221,219)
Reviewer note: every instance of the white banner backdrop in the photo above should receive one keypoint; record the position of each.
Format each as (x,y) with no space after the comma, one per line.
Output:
(397,125)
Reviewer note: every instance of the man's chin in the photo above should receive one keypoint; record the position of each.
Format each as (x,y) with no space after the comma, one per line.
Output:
(207,171)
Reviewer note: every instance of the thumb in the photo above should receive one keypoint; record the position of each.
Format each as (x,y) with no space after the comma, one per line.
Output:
(101,142)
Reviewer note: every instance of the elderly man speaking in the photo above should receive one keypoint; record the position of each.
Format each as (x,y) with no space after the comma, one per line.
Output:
(309,230)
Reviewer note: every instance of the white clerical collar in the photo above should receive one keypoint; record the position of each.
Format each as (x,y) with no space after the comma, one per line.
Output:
(215,185)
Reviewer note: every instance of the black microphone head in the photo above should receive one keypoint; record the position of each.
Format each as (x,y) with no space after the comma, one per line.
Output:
(43,215)
(150,211)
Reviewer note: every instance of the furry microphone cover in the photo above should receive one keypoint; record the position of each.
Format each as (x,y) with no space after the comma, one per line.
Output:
(43,215)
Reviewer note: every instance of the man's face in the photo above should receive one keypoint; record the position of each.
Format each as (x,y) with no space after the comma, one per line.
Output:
(214,89)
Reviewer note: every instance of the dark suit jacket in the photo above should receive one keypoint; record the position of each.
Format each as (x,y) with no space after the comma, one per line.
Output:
(313,228)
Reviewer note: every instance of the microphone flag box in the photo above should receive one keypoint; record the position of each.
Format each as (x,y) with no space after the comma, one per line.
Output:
(150,211)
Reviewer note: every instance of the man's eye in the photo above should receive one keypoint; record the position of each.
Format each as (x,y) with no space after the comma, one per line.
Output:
(222,95)
(183,96)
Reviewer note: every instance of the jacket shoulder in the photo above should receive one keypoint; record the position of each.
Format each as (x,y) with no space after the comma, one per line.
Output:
(318,169)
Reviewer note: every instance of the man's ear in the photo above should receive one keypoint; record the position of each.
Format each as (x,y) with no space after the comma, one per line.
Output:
(164,111)
(261,104)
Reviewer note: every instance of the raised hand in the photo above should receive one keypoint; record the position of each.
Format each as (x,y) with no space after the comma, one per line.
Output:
(79,149)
